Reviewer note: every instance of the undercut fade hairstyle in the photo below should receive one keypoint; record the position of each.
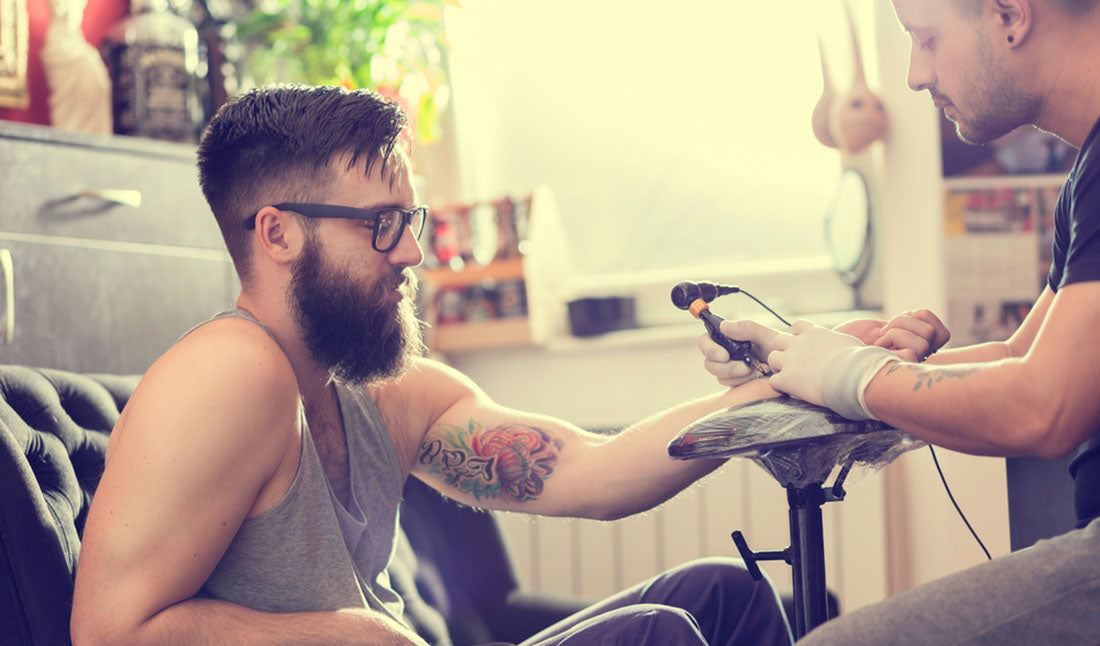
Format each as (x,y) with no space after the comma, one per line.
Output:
(277,143)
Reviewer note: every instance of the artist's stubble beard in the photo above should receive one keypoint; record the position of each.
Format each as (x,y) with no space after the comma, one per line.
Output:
(1001,106)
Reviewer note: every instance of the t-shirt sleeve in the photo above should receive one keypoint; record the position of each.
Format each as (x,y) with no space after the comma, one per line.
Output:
(1082,259)
(1061,239)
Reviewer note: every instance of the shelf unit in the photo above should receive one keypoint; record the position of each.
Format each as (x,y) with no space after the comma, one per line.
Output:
(475,335)
(538,266)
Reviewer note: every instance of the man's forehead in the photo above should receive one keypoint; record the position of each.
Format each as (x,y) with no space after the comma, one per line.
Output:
(918,14)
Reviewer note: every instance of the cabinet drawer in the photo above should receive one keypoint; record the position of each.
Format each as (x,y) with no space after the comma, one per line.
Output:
(41,182)
(96,309)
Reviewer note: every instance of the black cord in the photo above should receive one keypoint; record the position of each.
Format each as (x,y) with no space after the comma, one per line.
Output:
(930,448)
(766,307)
(961,514)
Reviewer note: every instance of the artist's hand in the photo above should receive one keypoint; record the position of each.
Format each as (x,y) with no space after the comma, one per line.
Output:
(912,335)
(920,331)
(816,364)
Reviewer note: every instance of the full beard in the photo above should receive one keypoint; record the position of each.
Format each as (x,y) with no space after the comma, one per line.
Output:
(359,334)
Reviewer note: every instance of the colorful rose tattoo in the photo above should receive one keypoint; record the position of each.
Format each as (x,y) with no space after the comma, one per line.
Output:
(510,461)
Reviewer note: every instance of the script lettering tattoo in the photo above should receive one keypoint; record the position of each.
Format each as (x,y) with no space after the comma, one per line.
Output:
(510,461)
(455,463)
(927,376)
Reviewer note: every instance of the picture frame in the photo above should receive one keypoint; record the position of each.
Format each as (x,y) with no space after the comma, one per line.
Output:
(13,54)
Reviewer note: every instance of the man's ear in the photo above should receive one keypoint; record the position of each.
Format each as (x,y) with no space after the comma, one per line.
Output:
(1013,20)
(279,234)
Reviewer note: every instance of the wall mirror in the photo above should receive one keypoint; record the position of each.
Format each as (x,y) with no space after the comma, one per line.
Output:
(848,231)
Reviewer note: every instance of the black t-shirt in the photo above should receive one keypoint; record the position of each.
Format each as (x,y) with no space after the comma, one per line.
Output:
(1077,260)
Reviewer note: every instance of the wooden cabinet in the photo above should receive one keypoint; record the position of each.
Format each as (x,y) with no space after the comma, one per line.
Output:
(94,284)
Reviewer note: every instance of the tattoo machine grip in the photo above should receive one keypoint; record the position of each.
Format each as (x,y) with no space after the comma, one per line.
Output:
(739,350)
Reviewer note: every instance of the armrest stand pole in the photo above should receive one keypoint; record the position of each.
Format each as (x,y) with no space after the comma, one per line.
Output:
(806,554)
(807,558)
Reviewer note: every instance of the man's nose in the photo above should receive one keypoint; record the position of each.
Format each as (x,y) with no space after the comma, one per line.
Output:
(921,76)
(407,253)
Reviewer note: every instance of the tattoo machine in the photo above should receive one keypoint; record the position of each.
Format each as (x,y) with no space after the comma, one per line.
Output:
(694,297)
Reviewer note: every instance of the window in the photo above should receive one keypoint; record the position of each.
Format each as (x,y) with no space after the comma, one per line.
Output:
(673,135)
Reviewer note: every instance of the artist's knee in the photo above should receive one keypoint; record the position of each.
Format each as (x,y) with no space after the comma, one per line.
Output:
(839,632)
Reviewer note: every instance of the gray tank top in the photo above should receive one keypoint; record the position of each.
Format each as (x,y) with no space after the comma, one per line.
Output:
(309,552)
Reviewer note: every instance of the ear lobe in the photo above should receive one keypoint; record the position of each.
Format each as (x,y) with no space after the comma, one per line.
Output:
(1013,20)
(279,235)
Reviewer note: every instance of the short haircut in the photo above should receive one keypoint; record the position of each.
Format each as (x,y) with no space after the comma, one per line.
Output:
(971,9)
(275,144)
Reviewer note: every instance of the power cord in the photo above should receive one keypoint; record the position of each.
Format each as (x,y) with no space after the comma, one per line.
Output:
(932,449)
(761,303)
(957,508)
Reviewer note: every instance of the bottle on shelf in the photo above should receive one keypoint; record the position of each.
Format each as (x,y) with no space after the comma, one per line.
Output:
(156,72)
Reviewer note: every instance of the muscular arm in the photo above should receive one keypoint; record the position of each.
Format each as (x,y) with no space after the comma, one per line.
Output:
(208,439)
(489,456)
(1041,402)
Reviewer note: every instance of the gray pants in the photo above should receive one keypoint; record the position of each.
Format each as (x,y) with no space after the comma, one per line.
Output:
(708,602)
(1046,594)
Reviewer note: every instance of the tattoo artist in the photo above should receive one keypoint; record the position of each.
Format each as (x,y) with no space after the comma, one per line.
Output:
(992,66)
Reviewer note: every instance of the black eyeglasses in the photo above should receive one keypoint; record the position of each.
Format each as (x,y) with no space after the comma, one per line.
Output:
(389,223)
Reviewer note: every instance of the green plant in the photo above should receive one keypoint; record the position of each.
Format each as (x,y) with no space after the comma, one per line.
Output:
(392,46)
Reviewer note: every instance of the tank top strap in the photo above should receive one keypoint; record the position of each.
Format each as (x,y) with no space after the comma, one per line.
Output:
(234,313)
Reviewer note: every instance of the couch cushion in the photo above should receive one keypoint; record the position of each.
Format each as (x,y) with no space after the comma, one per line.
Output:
(53,436)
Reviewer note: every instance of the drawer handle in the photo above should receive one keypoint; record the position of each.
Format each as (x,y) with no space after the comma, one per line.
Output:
(125,197)
(7,331)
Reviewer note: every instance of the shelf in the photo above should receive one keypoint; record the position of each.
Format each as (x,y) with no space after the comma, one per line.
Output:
(979,182)
(472,274)
(464,337)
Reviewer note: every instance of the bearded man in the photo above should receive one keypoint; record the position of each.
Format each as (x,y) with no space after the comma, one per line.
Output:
(252,483)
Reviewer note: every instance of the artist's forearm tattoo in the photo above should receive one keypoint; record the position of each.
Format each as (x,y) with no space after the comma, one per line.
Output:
(926,375)
(510,461)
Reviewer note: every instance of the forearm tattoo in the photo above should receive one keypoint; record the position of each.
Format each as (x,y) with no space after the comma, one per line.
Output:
(510,461)
(926,376)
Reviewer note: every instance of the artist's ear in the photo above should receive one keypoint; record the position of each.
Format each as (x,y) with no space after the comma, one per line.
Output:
(279,235)
(1013,20)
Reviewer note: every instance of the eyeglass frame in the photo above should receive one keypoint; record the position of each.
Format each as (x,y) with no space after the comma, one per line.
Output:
(311,210)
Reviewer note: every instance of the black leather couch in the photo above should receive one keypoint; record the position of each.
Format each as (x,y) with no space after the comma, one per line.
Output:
(451,566)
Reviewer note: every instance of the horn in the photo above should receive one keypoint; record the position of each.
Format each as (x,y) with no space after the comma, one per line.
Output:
(820,119)
(859,77)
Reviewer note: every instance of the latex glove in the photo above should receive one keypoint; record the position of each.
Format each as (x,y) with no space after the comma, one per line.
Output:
(920,331)
(717,362)
(816,364)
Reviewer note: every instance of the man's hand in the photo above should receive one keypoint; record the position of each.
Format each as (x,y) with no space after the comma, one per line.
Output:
(716,360)
(912,335)
(816,364)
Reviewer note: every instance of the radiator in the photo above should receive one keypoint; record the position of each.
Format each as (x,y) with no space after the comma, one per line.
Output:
(593,559)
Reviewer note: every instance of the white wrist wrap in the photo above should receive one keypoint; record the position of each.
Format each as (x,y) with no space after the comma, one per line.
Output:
(846,377)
